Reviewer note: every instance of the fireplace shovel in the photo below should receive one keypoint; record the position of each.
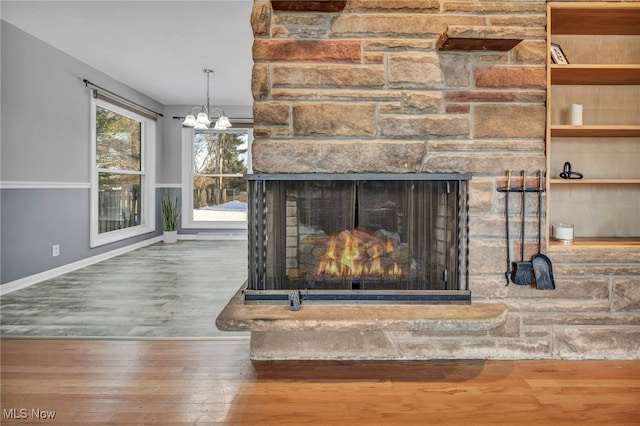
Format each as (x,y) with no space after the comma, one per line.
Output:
(542,268)
(507,274)
(522,273)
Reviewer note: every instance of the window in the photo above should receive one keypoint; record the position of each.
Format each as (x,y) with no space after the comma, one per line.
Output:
(122,179)
(215,192)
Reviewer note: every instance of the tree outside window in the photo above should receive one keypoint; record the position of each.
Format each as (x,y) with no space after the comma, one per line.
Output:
(219,161)
(118,158)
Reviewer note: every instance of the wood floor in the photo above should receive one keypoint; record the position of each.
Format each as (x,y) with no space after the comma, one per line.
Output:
(159,291)
(77,378)
(213,382)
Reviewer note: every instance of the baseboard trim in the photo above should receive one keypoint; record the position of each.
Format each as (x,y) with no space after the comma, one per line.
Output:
(25,282)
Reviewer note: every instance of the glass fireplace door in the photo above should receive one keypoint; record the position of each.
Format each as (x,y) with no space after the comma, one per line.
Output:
(356,234)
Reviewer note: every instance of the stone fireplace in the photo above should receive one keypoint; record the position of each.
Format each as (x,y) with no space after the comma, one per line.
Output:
(424,87)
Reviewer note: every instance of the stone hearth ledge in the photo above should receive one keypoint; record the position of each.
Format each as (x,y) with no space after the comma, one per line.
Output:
(237,316)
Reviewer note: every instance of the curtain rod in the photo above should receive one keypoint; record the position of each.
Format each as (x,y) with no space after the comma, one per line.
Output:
(88,83)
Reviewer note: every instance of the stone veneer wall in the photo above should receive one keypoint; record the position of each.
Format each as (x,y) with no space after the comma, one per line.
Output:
(365,90)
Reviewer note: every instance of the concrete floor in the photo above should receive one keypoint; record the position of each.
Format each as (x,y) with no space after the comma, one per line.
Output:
(160,291)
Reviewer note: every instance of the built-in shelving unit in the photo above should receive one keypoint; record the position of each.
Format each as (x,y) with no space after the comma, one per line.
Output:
(601,41)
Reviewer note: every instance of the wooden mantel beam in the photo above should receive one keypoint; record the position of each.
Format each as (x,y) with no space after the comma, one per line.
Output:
(329,6)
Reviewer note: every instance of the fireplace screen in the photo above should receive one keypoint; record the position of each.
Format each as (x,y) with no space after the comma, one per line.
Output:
(358,237)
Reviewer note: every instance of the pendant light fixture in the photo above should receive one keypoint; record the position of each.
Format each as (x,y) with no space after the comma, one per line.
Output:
(204,117)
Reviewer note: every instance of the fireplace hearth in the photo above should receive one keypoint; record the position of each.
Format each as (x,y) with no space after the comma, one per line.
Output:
(358,238)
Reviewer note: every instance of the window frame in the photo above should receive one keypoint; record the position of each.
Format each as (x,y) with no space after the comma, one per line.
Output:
(147,174)
(187,182)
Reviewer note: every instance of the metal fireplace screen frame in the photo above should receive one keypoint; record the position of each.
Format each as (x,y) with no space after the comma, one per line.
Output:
(423,216)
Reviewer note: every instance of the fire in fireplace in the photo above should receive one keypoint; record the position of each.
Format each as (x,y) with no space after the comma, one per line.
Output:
(360,254)
(358,237)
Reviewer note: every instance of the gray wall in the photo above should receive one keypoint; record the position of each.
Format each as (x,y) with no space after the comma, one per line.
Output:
(43,82)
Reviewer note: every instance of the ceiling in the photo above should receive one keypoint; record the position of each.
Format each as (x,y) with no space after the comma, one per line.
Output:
(156,47)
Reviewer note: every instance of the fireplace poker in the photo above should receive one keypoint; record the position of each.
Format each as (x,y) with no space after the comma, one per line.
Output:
(522,273)
(506,209)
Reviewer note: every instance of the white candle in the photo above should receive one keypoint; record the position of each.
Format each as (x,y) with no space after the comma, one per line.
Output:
(561,231)
(576,115)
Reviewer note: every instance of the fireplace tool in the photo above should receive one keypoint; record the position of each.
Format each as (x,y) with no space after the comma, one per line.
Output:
(542,269)
(522,271)
(506,209)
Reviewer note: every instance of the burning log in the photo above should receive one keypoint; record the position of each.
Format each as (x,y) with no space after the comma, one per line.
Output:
(361,254)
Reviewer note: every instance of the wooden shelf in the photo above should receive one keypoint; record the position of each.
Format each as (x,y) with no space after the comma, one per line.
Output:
(480,38)
(478,44)
(596,18)
(596,181)
(591,74)
(598,241)
(594,131)
(327,6)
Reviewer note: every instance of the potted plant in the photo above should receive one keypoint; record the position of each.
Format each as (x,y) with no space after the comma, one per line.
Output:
(170,215)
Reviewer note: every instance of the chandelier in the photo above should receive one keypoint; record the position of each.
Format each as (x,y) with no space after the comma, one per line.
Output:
(206,115)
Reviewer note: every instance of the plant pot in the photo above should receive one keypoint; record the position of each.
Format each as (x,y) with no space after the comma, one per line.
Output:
(170,237)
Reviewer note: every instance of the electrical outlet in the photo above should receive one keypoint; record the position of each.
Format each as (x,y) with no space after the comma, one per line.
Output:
(55,250)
